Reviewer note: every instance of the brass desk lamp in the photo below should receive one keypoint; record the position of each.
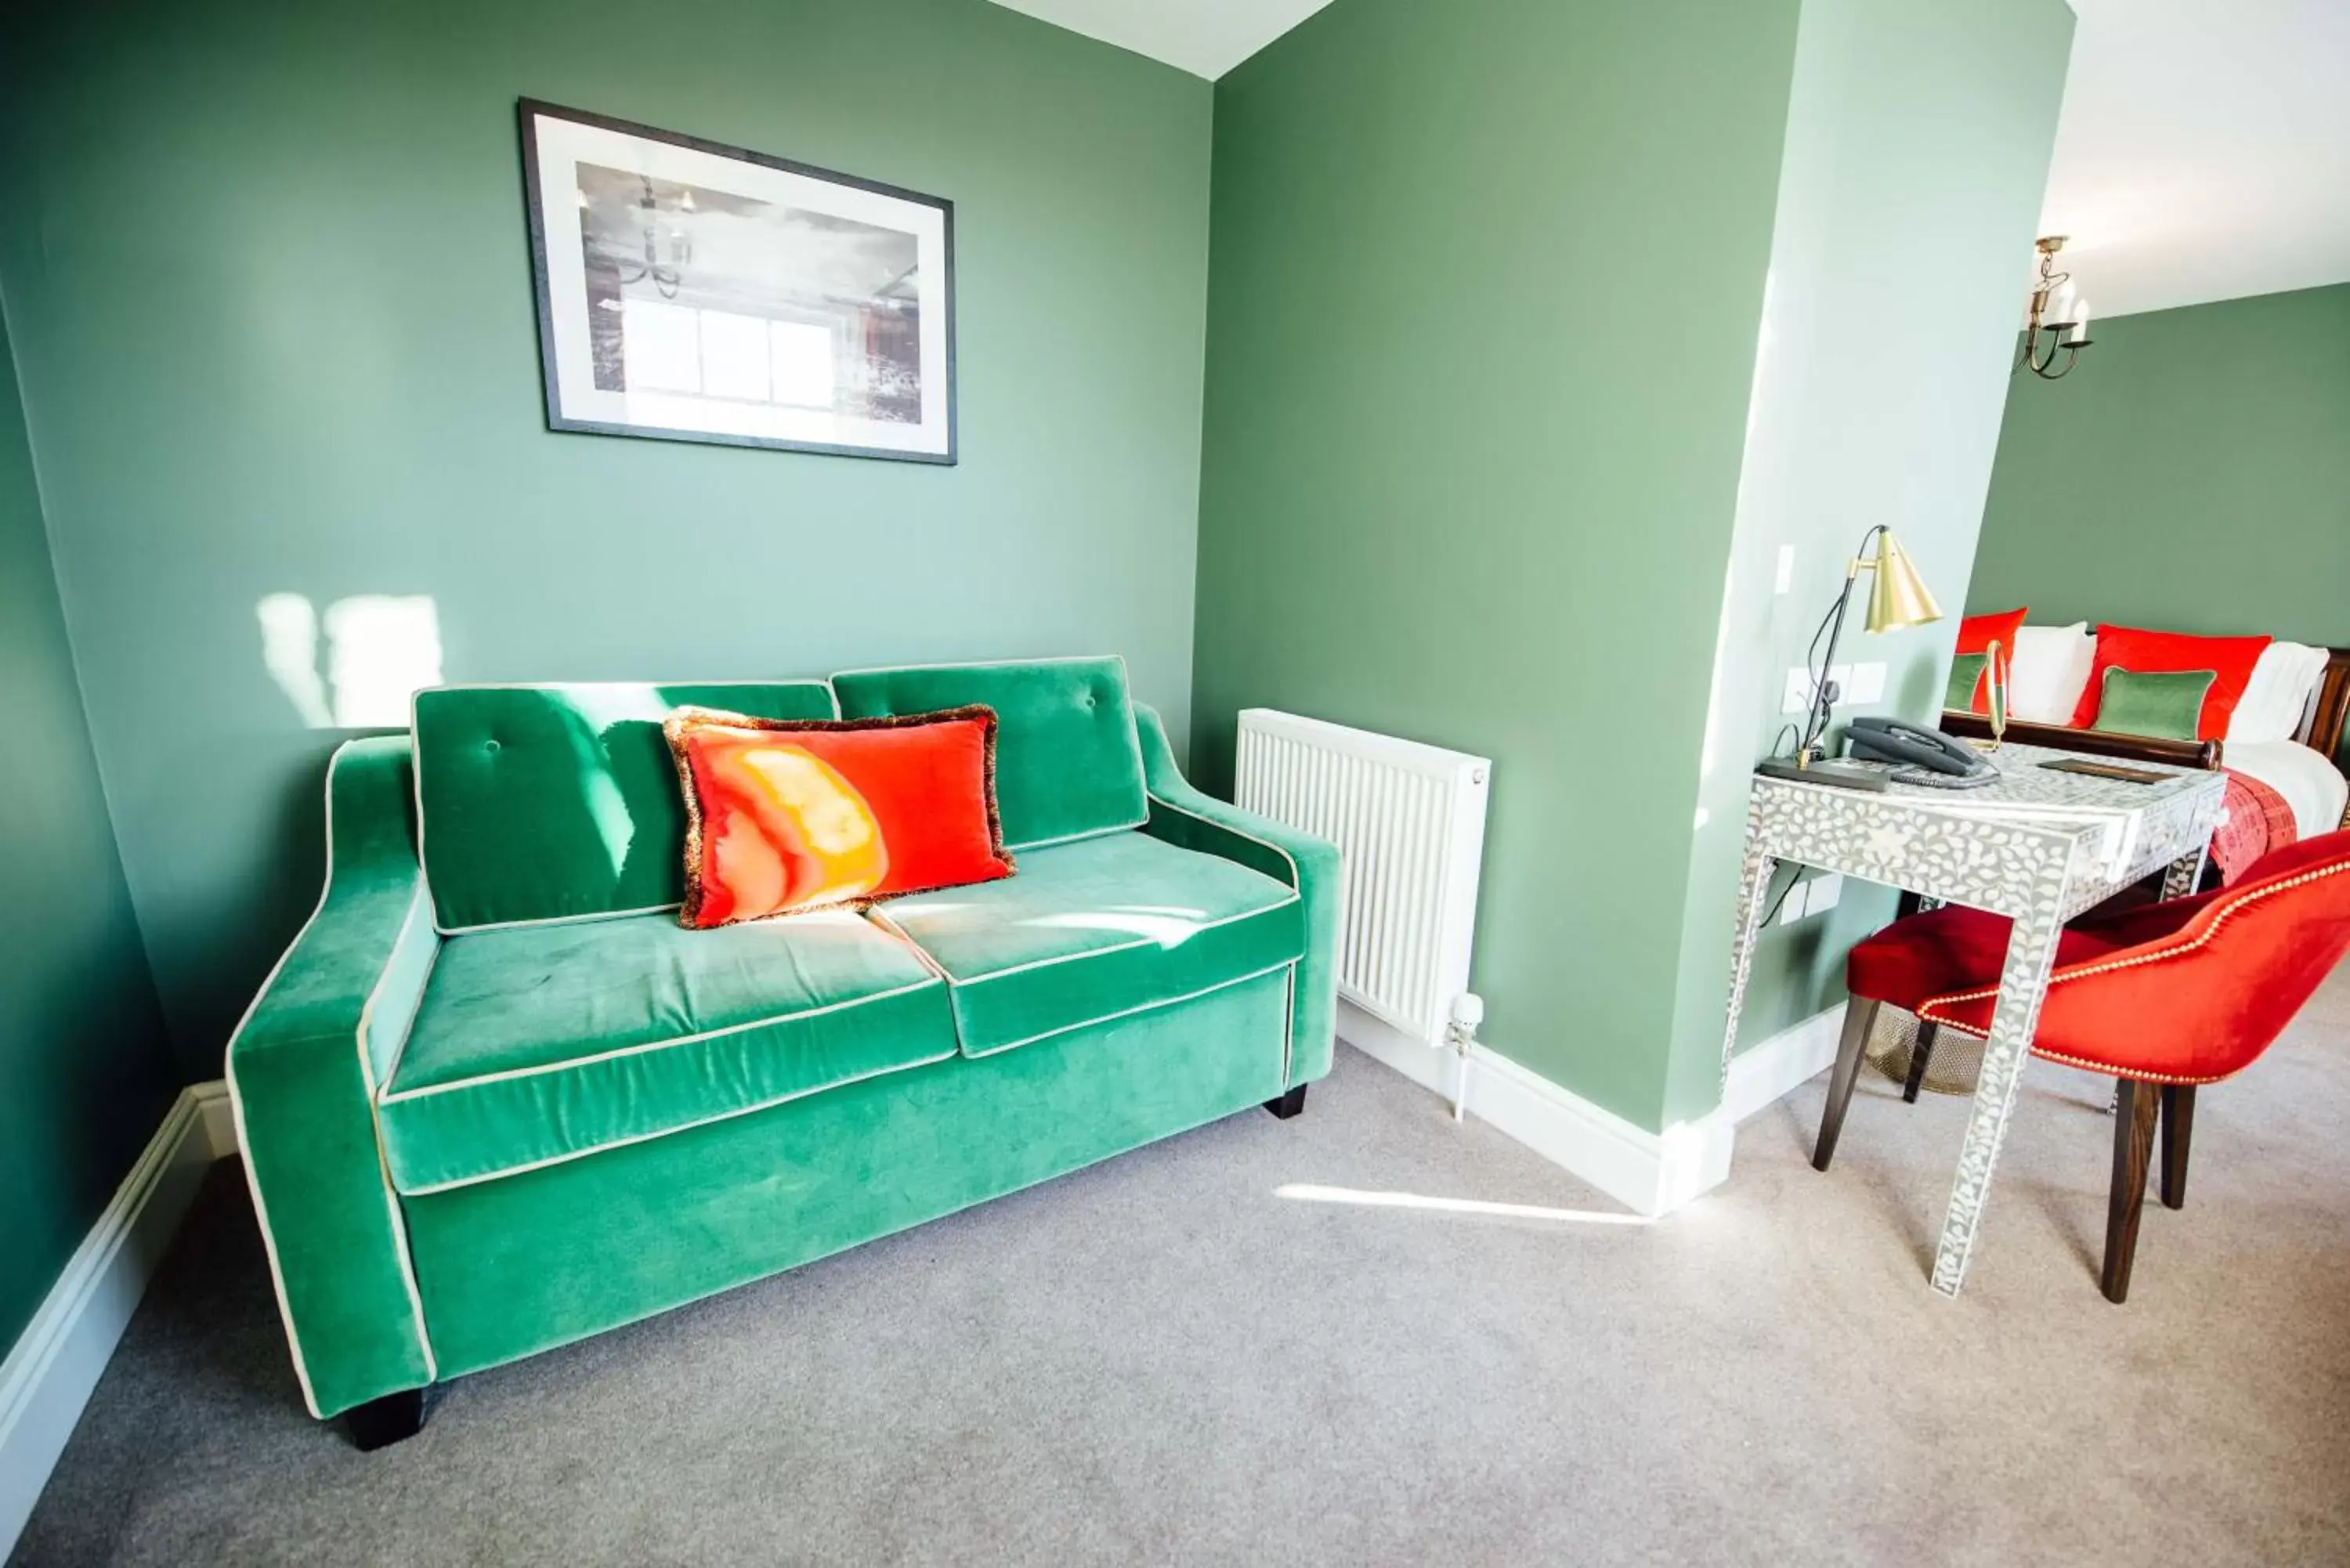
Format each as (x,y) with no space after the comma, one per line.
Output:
(1897,598)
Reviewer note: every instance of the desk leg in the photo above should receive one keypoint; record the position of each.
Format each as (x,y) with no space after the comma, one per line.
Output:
(1753,881)
(2184,874)
(2022,987)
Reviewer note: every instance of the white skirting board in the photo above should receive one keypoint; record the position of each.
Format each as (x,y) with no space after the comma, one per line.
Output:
(1763,1074)
(58,1358)
(1648,1173)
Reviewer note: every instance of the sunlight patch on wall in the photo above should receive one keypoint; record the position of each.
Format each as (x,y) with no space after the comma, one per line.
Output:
(380,648)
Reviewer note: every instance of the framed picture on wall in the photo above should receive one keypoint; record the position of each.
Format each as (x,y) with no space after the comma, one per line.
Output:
(689,291)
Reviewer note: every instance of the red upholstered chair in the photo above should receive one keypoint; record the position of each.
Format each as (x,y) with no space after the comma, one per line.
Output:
(2166,998)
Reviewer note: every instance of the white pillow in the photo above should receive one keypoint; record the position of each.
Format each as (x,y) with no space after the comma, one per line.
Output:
(2049,671)
(2278,693)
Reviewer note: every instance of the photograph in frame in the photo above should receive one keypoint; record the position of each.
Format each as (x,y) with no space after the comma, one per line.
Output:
(690,291)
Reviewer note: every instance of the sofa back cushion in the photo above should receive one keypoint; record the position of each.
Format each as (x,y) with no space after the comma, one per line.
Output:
(561,802)
(1067,764)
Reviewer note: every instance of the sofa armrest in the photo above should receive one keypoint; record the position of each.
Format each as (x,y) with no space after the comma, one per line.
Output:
(1195,820)
(303,1069)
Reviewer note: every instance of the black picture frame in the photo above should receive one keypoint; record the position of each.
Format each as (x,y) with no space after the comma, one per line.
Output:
(528,109)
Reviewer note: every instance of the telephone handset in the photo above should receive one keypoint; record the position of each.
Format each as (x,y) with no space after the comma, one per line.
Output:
(1940,759)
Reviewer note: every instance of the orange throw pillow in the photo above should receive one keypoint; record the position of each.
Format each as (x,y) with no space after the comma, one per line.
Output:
(789,814)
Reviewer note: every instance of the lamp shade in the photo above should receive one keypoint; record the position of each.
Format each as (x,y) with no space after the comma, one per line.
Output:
(1899,597)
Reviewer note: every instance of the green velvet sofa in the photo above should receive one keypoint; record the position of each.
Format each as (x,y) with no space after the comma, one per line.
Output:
(494,1099)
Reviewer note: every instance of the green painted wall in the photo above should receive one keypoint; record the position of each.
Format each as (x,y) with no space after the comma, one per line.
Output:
(1491,462)
(2192,474)
(1918,138)
(1483,292)
(276,335)
(84,1074)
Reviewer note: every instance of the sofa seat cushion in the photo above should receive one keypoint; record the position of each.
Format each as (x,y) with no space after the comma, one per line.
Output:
(543,1043)
(1095,930)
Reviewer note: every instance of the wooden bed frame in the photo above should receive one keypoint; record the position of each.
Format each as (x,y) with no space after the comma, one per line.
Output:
(2322,733)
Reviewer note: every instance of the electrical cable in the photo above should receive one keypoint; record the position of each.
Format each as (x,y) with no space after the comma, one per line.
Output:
(1772,913)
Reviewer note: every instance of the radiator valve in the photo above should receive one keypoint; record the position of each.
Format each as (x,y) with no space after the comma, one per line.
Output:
(1460,1033)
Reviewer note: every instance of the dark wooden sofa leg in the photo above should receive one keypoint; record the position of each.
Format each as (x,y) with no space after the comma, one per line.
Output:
(2178,1133)
(1921,1051)
(1859,1015)
(2133,1148)
(1289,1105)
(379,1423)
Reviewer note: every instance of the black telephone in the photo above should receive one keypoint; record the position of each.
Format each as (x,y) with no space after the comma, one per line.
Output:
(1940,759)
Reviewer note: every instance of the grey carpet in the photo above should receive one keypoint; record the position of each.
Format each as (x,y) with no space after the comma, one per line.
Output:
(1162,1360)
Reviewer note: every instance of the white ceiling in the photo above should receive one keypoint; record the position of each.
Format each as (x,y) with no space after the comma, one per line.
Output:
(1206,38)
(2203,151)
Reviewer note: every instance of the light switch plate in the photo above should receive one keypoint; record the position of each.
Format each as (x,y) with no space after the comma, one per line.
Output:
(1793,910)
(1785,580)
(1823,893)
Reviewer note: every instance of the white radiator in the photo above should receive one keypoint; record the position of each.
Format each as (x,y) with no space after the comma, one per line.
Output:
(1409,822)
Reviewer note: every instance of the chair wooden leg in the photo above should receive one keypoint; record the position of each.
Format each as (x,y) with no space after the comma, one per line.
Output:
(1921,1051)
(1860,1013)
(2133,1148)
(2178,1133)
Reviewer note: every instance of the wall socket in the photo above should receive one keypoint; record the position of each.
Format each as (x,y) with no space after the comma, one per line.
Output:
(1854,682)
(1816,896)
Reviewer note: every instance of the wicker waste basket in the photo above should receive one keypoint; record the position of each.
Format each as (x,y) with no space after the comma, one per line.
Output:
(1951,1070)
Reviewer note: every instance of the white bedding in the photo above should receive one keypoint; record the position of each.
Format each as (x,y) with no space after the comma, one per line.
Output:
(2309,784)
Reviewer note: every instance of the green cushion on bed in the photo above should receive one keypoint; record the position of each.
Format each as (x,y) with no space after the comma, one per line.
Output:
(1092,931)
(1067,762)
(550,802)
(1966,674)
(2167,704)
(545,1042)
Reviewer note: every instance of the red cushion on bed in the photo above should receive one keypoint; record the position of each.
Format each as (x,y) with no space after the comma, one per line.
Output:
(2230,659)
(1977,633)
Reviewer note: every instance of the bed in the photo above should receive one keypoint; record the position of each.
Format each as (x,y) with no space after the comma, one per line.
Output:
(2313,787)
(2283,744)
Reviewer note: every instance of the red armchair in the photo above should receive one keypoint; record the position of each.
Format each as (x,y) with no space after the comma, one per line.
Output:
(2166,998)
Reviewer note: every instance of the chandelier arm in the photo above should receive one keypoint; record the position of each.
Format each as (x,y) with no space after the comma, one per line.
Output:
(2034,355)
